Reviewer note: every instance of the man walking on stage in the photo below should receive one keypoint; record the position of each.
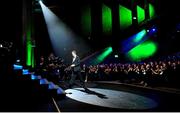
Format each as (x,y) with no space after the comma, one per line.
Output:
(76,70)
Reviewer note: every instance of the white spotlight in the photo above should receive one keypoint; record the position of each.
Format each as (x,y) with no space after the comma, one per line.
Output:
(40,1)
(134,18)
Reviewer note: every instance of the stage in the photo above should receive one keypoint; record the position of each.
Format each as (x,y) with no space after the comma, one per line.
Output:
(116,97)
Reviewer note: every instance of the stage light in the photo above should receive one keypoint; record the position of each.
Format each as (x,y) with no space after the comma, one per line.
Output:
(134,40)
(103,55)
(106,19)
(43,81)
(113,99)
(142,51)
(134,18)
(35,77)
(63,39)
(140,14)
(139,36)
(17,67)
(116,56)
(18,61)
(86,20)
(147,30)
(25,72)
(60,91)
(51,85)
(151,11)
(125,17)
(40,1)
(152,30)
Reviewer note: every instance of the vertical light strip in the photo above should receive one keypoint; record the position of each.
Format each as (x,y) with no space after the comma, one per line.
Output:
(151,11)
(125,17)
(28,47)
(106,19)
(140,14)
(86,20)
(33,60)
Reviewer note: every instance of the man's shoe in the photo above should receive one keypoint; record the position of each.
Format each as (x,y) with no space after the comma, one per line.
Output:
(86,89)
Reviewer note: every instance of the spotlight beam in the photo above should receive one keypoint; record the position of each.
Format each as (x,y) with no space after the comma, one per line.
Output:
(63,39)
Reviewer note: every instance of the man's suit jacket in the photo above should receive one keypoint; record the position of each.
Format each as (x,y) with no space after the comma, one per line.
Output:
(77,66)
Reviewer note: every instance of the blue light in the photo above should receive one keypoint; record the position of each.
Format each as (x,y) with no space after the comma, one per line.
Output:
(60,91)
(52,86)
(25,71)
(44,81)
(134,40)
(35,77)
(17,67)
(139,36)
(152,31)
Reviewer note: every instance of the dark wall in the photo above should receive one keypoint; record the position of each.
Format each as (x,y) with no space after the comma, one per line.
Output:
(11,26)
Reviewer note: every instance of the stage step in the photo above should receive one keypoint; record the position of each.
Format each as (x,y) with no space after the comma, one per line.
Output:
(53,89)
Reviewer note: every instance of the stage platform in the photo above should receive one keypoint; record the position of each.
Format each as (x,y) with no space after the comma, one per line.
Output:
(112,96)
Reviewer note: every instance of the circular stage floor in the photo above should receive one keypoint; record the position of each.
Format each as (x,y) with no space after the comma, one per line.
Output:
(111,98)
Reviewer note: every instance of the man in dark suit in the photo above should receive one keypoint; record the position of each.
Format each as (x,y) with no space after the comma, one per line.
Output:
(76,70)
